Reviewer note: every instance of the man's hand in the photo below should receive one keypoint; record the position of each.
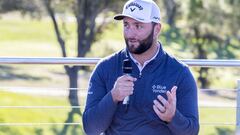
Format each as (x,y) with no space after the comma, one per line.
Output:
(165,109)
(123,87)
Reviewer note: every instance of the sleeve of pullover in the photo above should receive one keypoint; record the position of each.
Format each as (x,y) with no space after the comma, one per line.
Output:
(100,107)
(186,121)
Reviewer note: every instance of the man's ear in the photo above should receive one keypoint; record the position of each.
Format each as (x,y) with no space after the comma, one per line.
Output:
(157,29)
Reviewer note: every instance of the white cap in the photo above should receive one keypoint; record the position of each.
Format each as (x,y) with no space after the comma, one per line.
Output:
(141,10)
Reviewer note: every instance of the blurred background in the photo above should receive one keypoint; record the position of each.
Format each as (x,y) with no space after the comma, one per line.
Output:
(49,99)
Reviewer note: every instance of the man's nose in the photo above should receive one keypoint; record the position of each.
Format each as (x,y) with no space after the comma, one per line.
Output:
(131,33)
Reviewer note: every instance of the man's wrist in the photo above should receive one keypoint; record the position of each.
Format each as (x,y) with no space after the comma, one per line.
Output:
(170,119)
(114,97)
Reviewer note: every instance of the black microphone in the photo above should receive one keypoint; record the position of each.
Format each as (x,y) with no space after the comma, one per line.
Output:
(127,69)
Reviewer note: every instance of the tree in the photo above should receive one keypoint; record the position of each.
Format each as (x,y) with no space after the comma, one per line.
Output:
(209,29)
(24,6)
(210,32)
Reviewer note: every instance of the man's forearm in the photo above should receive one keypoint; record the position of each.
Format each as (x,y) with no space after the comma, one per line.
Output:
(181,125)
(96,119)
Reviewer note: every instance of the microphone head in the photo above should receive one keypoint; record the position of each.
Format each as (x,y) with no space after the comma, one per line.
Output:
(127,66)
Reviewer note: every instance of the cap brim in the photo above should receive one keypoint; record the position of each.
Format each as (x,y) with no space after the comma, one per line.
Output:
(121,16)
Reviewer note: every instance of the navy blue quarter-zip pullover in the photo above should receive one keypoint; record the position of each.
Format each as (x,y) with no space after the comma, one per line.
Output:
(102,115)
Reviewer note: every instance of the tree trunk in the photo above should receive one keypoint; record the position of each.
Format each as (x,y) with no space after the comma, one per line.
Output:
(72,72)
(201,54)
(72,97)
(171,9)
(203,74)
(203,71)
(73,81)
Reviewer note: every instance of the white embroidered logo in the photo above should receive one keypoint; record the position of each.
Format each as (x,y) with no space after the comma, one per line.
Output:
(159,89)
(89,87)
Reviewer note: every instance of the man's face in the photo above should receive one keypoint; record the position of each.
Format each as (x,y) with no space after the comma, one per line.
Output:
(138,36)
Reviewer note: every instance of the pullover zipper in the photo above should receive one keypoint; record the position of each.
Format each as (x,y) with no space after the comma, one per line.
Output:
(140,75)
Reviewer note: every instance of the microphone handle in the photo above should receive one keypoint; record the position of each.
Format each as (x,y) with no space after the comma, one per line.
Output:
(126,100)
(126,103)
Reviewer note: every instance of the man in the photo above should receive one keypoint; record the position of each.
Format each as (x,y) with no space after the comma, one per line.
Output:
(162,92)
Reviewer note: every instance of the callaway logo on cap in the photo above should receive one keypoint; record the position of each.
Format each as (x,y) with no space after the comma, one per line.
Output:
(141,10)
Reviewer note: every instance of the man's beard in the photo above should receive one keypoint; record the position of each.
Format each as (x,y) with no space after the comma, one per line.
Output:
(144,44)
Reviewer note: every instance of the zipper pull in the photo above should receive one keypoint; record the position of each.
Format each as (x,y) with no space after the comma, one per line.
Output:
(140,75)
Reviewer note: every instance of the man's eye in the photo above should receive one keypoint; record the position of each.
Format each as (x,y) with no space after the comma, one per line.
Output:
(139,26)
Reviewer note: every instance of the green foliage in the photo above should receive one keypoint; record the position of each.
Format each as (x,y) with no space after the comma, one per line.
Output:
(32,7)
(210,24)
(207,29)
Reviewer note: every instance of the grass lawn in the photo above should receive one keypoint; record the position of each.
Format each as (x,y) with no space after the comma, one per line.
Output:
(29,38)
(217,121)
(19,115)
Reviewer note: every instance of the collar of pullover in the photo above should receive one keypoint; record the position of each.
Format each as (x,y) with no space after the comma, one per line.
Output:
(140,67)
(153,63)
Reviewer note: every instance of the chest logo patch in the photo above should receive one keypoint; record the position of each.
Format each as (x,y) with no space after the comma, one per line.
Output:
(159,89)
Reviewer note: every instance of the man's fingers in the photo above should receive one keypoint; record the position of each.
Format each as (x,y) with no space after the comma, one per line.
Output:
(162,100)
(128,78)
(173,92)
(159,106)
(126,84)
(165,108)
(156,110)
(126,88)
(171,96)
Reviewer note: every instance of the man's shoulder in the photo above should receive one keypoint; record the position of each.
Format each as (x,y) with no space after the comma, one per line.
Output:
(111,60)
(174,61)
